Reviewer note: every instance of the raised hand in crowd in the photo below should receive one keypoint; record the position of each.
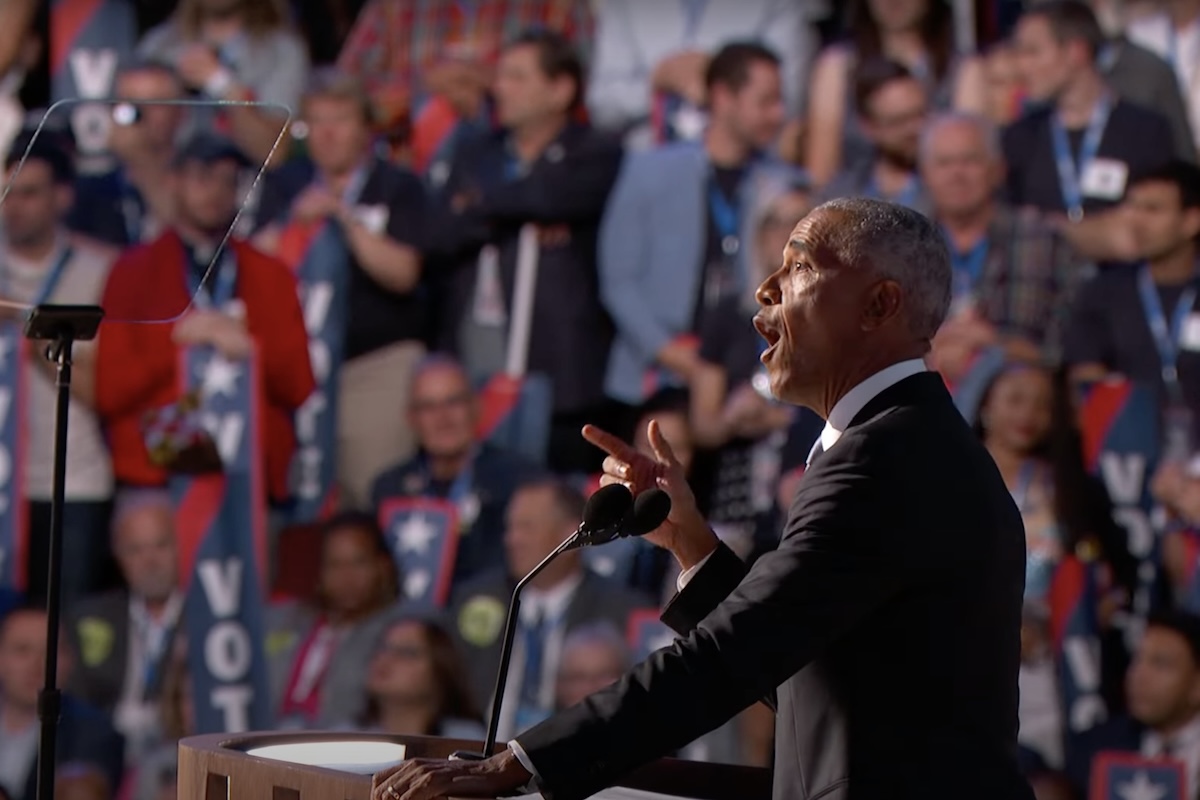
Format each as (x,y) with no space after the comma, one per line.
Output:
(197,64)
(681,356)
(682,74)
(225,332)
(685,534)
(315,203)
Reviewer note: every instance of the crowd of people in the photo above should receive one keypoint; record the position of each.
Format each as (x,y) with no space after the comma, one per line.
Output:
(368,268)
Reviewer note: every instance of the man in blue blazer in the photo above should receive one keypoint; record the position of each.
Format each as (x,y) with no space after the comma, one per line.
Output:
(675,229)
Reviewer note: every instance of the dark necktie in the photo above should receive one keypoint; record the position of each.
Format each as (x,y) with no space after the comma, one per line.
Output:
(535,647)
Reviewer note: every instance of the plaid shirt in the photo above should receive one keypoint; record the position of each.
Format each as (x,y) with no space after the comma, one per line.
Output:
(1030,278)
(394,41)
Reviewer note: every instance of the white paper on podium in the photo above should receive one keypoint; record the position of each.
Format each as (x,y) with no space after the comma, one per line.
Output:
(615,793)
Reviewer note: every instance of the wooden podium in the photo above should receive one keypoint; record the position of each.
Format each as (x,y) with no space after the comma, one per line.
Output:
(219,767)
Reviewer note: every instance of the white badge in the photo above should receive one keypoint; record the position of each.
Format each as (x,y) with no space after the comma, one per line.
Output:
(373,218)
(1189,337)
(1104,178)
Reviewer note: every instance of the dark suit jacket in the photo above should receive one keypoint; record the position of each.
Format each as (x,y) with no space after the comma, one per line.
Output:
(1119,733)
(99,633)
(84,736)
(597,599)
(564,192)
(497,475)
(885,627)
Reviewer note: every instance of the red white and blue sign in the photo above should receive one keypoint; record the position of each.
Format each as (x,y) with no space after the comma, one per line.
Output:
(422,533)
(221,529)
(1129,776)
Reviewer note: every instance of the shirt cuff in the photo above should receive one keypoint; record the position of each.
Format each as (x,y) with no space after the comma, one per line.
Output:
(523,758)
(684,577)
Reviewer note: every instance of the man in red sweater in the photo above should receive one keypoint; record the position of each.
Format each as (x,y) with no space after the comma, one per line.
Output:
(137,363)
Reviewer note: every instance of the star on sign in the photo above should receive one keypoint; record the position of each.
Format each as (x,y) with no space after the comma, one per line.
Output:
(220,377)
(416,583)
(416,534)
(1141,788)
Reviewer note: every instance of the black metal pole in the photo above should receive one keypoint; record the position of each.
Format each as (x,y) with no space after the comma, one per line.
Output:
(50,698)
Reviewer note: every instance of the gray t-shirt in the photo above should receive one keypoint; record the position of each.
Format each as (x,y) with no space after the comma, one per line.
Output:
(274,66)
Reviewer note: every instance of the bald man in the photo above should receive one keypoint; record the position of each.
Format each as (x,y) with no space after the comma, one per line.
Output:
(885,628)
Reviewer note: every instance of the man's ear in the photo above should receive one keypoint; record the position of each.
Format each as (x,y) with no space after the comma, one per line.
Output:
(884,303)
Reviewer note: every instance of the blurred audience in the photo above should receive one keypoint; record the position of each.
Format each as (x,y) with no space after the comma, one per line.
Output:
(44,263)
(231,52)
(495,222)
(316,649)
(559,600)
(416,684)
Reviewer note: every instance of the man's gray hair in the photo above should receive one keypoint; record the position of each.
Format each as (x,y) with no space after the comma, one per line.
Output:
(987,130)
(899,244)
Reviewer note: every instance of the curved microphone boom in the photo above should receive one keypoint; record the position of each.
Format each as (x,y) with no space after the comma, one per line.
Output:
(606,511)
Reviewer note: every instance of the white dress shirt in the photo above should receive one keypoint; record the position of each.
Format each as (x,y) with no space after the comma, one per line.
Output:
(840,417)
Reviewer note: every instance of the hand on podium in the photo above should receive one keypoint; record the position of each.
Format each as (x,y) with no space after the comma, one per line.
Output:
(430,778)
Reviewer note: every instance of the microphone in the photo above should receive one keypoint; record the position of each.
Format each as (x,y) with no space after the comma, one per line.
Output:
(650,510)
(603,516)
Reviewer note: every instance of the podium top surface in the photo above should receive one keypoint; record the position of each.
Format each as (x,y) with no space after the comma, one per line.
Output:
(227,757)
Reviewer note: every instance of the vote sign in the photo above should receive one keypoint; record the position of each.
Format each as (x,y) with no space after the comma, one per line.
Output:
(221,527)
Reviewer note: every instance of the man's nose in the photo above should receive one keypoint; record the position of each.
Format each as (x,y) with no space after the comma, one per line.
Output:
(768,293)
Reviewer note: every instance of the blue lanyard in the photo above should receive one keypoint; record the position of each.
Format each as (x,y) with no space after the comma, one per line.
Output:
(132,210)
(968,266)
(1070,170)
(1166,340)
(726,218)
(906,197)
(221,287)
(693,13)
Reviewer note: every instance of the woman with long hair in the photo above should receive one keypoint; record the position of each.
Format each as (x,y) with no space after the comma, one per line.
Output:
(416,683)
(1027,422)
(918,34)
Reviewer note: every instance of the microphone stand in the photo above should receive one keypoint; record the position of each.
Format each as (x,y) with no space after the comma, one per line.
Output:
(510,630)
(62,326)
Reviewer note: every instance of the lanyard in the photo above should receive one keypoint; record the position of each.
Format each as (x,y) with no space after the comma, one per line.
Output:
(1166,339)
(693,14)
(354,186)
(725,218)
(1070,169)
(968,266)
(216,290)
(907,196)
(1020,493)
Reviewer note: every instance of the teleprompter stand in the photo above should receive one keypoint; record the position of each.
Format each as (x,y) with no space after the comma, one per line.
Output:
(61,326)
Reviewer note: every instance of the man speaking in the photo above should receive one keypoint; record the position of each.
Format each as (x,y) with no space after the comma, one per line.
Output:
(885,628)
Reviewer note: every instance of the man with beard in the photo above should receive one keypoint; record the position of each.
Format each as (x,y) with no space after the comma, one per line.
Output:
(1141,322)
(892,106)
(242,298)
(1073,154)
